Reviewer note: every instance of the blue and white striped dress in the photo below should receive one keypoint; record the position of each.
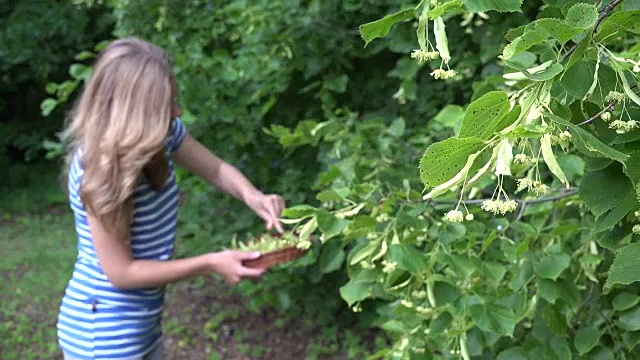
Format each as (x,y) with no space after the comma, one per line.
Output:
(97,320)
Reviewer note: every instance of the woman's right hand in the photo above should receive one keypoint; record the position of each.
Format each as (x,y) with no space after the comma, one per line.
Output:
(228,263)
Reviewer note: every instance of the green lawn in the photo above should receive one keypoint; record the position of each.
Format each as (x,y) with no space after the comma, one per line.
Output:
(37,253)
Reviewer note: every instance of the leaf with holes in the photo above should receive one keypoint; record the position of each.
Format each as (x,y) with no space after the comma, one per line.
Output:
(557,29)
(484,116)
(443,160)
(582,15)
(380,28)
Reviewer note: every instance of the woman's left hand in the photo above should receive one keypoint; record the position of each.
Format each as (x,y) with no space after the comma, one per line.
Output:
(268,207)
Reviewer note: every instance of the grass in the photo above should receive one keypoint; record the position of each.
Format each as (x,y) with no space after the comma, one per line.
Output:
(37,253)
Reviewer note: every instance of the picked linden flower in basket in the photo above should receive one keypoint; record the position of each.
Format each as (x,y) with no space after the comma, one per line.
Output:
(275,249)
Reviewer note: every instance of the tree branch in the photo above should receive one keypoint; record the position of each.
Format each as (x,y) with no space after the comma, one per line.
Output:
(606,108)
(563,194)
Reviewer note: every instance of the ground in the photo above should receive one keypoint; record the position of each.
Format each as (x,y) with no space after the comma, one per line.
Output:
(204,318)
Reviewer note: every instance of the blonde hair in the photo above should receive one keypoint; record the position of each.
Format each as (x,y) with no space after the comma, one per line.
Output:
(119,125)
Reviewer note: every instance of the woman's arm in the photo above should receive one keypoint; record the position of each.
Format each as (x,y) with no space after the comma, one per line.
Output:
(199,160)
(125,272)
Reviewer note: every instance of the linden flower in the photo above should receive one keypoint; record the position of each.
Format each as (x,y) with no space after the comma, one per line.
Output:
(636,229)
(499,207)
(521,159)
(388,266)
(565,136)
(615,96)
(424,56)
(304,244)
(606,116)
(443,74)
(539,188)
(406,303)
(622,127)
(524,183)
(454,216)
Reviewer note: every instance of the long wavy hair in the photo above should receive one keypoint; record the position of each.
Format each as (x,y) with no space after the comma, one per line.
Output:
(118,127)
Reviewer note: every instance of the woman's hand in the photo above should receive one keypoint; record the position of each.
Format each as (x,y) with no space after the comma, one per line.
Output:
(228,263)
(269,208)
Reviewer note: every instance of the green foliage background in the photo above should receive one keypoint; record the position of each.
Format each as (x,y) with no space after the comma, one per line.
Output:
(354,136)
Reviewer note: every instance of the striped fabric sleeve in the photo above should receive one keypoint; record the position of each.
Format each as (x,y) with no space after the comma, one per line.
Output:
(178,132)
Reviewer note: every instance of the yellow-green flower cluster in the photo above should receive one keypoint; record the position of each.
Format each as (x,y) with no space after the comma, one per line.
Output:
(499,206)
(443,74)
(388,266)
(622,127)
(424,56)
(636,229)
(615,96)
(522,159)
(454,216)
(535,187)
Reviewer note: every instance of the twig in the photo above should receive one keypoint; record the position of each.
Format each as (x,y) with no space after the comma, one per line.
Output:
(590,120)
(564,193)
(603,14)
(607,108)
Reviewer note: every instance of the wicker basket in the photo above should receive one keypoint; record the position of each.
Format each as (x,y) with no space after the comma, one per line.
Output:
(275,257)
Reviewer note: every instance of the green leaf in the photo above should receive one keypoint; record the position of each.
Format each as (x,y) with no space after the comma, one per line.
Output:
(631,339)
(380,28)
(408,258)
(449,6)
(331,257)
(531,36)
(548,290)
(298,211)
(610,219)
(484,116)
(630,319)
(577,79)
(554,320)
(557,29)
(494,318)
(80,72)
(329,224)
(513,353)
(582,47)
(587,143)
(619,23)
(602,190)
(542,72)
(551,266)
(497,5)
(363,252)
(550,159)
(443,160)
(396,129)
(353,292)
(333,195)
(586,339)
(625,268)
(625,301)
(582,15)
(451,116)
(47,106)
